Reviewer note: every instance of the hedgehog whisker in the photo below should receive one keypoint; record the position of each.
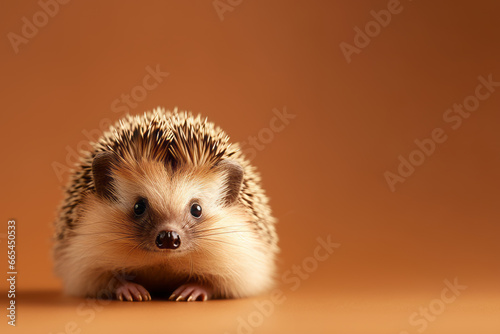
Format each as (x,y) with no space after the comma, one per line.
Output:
(218,233)
(191,270)
(221,241)
(219,228)
(103,233)
(136,247)
(117,224)
(116,239)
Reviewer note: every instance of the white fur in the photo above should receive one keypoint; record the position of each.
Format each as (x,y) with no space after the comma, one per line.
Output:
(231,257)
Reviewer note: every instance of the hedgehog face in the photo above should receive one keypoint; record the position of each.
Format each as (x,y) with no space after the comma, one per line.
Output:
(165,210)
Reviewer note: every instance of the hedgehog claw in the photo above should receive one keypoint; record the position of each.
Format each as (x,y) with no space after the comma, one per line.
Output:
(191,292)
(129,291)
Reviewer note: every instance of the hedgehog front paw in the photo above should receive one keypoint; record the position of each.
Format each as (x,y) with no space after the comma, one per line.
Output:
(128,291)
(191,292)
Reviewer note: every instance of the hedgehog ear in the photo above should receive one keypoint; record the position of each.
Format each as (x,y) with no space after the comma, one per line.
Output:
(234,178)
(101,173)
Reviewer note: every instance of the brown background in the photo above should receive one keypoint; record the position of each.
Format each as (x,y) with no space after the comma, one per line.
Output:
(323,172)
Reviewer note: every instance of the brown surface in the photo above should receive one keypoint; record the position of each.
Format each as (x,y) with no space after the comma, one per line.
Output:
(324,171)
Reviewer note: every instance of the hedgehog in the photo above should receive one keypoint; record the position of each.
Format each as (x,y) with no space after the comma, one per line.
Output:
(164,205)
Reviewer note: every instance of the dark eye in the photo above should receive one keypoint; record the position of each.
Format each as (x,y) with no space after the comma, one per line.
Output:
(196,210)
(140,207)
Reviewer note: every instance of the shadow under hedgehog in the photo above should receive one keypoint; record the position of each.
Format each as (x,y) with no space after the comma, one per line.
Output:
(166,201)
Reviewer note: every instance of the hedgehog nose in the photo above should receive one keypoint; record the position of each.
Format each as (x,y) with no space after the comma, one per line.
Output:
(168,240)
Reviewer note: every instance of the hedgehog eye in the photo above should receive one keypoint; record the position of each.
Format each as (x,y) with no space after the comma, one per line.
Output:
(196,210)
(140,207)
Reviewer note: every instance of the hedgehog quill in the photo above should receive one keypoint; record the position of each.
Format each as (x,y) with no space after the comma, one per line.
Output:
(167,200)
